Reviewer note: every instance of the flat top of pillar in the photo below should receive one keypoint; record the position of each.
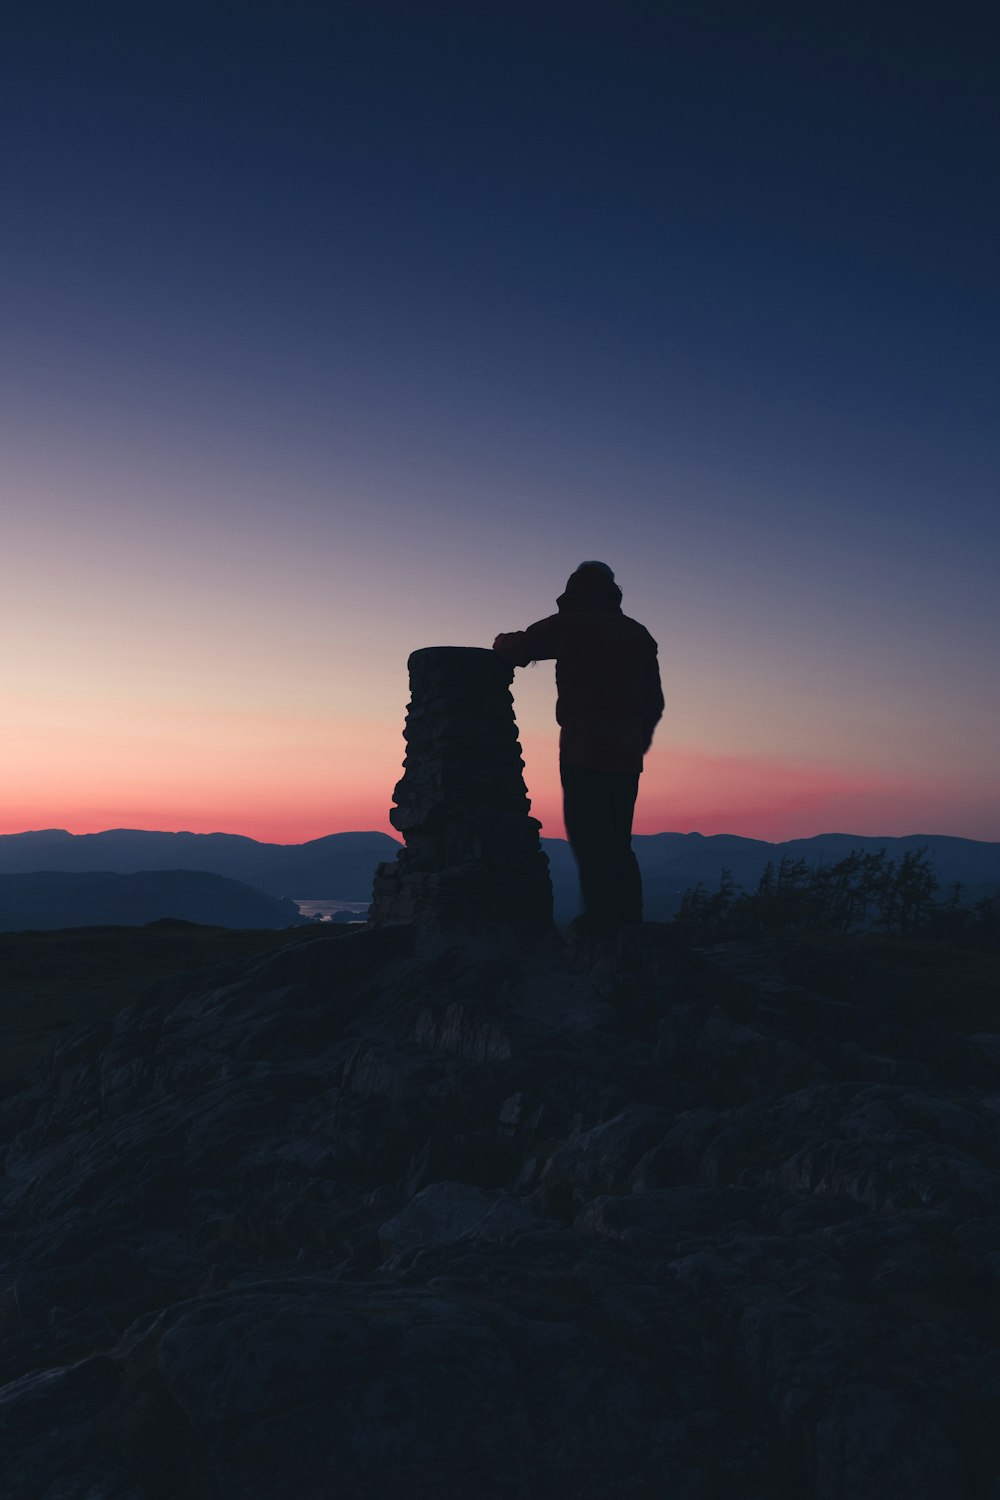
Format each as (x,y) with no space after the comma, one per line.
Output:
(447,658)
(451,651)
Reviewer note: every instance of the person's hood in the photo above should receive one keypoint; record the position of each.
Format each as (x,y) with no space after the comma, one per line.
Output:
(592,586)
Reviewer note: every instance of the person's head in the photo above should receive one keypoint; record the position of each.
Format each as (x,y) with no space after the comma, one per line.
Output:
(602,567)
(591,586)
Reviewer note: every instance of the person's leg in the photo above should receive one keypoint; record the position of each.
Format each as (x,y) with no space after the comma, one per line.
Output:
(578,816)
(625,896)
(598,807)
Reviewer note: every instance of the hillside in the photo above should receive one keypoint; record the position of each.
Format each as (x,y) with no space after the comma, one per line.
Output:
(385,1215)
(341,865)
(52,899)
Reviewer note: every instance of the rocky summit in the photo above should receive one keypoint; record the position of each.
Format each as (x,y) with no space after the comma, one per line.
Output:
(404,1213)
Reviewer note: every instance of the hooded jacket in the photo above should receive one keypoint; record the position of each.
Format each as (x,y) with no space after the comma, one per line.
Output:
(607,675)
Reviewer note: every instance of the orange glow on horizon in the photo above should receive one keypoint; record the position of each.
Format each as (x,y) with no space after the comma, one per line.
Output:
(682,790)
(686,790)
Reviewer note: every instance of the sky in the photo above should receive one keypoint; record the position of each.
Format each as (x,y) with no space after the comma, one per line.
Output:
(332,331)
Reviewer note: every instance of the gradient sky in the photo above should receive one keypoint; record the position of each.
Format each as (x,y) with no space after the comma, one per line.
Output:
(333,331)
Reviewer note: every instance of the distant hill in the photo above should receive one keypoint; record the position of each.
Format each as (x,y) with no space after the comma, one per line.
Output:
(48,899)
(341,865)
(671,862)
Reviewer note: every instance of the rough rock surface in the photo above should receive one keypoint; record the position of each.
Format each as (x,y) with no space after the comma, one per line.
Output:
(472,855)
(377,1217)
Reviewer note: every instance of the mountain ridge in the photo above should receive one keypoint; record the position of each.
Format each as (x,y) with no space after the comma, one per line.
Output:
(340,866)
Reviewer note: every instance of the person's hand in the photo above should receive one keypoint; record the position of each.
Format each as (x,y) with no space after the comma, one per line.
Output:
(500,642)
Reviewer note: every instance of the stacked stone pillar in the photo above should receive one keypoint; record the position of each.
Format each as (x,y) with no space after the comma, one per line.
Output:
(472,856)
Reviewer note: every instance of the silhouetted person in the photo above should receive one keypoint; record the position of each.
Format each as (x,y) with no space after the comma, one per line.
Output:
(609,703)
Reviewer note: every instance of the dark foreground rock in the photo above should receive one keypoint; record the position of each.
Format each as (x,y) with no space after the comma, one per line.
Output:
(386,1217)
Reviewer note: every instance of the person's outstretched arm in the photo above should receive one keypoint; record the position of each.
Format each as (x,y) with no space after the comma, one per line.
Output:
(652,699)
(538,643)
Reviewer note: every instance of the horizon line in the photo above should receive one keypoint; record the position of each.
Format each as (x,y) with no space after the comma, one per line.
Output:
(380,833)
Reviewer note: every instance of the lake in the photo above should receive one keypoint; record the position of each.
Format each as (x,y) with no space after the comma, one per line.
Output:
(325,909)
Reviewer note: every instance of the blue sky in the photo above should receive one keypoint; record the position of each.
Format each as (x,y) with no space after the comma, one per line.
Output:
(331,332)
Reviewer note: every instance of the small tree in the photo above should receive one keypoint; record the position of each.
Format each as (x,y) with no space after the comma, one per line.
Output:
(700,912)
(860,891)
(905,893)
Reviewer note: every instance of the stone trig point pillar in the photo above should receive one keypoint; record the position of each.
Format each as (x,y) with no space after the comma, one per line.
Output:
(472,856)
